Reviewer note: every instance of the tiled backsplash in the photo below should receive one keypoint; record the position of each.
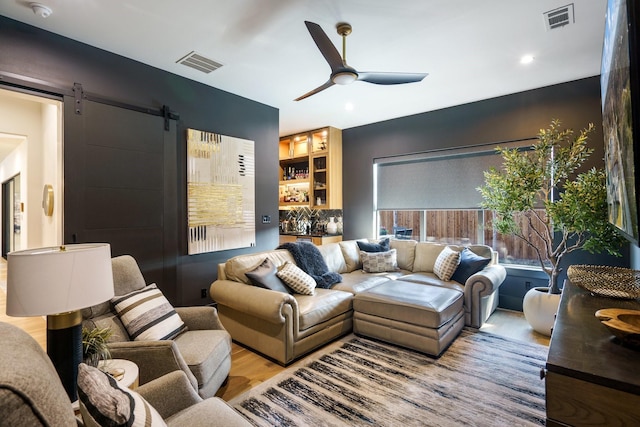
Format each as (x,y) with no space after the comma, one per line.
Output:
(307,220)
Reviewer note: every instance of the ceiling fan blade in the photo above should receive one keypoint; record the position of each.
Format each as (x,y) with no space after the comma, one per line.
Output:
(327,48)
(328,84)
(390,78)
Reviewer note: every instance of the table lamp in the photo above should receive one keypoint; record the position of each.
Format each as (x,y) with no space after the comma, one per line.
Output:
(58,282)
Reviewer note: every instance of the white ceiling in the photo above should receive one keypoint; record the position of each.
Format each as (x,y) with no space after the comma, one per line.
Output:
(470,48)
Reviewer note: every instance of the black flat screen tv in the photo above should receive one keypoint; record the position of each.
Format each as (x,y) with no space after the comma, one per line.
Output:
(620,95)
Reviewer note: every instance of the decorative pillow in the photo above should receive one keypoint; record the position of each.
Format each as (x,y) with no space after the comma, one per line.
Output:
(377,262)
(264,276)
(381,246)
(103,402)
(147,315)
(446,263)
(297,279)
(470,263)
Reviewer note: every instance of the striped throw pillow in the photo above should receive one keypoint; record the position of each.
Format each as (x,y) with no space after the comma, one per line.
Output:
(446,263)
(297,279)
(104,403)
(148,315)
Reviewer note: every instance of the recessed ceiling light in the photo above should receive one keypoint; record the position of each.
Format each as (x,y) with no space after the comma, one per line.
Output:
(348,106)
(527,59)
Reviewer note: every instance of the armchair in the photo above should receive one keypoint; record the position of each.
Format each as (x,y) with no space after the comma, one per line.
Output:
(31,393)
(203,352)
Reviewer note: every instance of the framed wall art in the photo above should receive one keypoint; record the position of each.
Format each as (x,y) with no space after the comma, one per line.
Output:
(220,192)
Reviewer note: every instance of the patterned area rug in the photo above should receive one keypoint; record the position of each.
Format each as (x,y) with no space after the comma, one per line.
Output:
(481,380)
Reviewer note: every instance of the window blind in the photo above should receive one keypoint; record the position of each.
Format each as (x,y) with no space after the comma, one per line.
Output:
(444,179)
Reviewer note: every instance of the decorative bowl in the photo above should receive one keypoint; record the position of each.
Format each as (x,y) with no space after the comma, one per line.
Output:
(623,323)
(606,281)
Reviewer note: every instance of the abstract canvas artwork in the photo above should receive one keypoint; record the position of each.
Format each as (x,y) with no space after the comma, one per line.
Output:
(220,192)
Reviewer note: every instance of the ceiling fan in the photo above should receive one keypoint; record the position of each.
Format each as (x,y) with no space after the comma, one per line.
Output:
(343,74)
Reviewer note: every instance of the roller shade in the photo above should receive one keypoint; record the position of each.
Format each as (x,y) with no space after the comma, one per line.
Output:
(445,179)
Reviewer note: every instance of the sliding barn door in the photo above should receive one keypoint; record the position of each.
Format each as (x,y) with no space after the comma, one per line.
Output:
(120,185)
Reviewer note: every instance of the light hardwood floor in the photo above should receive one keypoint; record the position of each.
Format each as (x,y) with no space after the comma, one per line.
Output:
(248,369)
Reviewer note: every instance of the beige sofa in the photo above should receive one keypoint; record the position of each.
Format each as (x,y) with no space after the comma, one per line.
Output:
(284,326)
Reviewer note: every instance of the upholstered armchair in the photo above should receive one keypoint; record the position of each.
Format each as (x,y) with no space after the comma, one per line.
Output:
(202,352)
(32,395)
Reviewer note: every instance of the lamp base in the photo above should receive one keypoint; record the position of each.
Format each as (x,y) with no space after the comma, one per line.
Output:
(64,347)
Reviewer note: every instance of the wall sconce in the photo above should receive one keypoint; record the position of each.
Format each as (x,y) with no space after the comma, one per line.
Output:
(47,200)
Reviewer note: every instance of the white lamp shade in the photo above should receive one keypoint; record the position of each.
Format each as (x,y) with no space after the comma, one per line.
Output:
(58,279)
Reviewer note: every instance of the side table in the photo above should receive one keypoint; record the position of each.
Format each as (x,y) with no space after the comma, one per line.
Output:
(124,371)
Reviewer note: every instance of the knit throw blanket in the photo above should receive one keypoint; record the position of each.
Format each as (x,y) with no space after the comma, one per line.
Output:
(309,259)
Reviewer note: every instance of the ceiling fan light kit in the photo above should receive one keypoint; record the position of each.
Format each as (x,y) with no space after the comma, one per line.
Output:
(344,77)
(343,74)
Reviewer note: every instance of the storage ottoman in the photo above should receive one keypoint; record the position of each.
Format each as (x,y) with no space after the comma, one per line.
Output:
(422,317)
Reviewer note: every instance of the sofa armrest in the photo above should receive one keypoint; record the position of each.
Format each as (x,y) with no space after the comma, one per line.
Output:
(154,359)
(170,393)
(486,280)
(259,302)
(479,289)
(200,318)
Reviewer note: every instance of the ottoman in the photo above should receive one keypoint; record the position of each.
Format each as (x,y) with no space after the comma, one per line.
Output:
(422,317)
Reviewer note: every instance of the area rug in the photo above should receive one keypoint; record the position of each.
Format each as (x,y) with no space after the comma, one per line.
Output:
(481,380)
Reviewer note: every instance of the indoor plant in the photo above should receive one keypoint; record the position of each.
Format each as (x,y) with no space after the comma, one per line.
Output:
(94,345)
(563,209)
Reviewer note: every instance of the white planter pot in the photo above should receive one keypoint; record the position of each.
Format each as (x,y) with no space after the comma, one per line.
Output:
(540,308)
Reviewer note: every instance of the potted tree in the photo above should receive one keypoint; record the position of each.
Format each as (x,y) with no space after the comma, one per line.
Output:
(562,210)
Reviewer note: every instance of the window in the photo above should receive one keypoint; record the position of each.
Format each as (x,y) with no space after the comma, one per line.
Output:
(433,196)
(457,227)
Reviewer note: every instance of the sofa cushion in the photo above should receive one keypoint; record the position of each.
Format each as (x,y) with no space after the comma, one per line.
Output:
(446,263)
(297,279)
(427,306)
(470,263)
(351,254)
(381,246)
(358,281)
(406,253)
(111,321)
(104,402)
(426,255)
(332,255)
(324,305)
(236,267)
(432,280)
(148,315)
(264,276)
(379,262)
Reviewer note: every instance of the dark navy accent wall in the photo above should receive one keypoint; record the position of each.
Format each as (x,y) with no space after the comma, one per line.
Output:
(34,54)
(505,118)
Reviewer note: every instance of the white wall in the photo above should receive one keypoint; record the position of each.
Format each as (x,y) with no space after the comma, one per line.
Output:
(52,151)
(37,160)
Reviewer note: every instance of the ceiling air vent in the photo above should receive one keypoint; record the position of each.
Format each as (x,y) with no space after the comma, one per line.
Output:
(199,62)
(559,17)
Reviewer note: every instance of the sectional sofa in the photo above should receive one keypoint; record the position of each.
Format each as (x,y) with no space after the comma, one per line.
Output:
(284,326)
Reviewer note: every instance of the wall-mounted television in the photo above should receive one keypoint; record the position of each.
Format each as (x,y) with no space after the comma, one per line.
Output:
(620,94)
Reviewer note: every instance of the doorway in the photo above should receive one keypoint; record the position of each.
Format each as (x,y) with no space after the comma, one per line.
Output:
(12,215)
(30,158)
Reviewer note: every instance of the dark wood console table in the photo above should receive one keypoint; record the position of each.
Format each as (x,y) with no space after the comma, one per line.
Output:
(590,379)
